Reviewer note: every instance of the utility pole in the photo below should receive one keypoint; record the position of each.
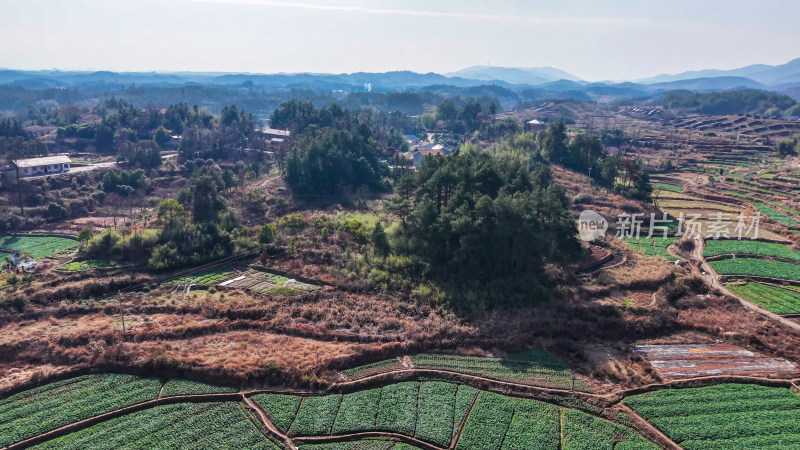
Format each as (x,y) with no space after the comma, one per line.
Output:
(121,314)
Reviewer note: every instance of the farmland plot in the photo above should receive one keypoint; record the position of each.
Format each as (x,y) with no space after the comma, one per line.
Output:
(183,425)
(757,267)
(655,246)
(747,247)
(692,360)
(723,416)
(774,298)
(38,247)
(535,367)
(180,386)
(499,422)
(281,408)
(38,410)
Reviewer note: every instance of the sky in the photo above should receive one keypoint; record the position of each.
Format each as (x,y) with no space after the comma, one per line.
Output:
(594,40)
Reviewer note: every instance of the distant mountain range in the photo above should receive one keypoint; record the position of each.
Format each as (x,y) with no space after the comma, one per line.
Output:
(783,78)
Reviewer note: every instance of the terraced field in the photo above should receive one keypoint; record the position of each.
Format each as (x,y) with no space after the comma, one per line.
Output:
(430,411)
(774,298)
(777,216)
(205,278)
(183,425)
(35,411)
(757,267)
(681,204)
(724,416)
(77,266)
(534,367)
(668,187)
(716,247)
(180,386)
(38,247)
(655,246)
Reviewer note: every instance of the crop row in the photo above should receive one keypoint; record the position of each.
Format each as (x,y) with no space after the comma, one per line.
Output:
(363,444)
(748,247)
(184,425)
(721,416)
(757,267)
(53,405)
(775,299)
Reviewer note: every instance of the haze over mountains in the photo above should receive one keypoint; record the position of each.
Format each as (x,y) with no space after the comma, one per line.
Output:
(783,78)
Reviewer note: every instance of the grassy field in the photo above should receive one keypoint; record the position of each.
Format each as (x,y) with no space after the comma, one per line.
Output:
(774,298)
(76,266)
(53,405)
(38,247)
(746,247)
(723,416)
(180,386)
(655,246)
(535,367)
(183,425)
(757,267)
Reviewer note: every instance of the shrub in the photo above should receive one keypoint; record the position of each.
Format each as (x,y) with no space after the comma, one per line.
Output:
(266,234)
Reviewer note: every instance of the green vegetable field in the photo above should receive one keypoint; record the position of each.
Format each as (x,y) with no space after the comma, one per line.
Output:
(774,298)
(667,187)
(723,416)
(180,386)
(38,247)
(655,246)
(748,247)
(183,425)
(777,216)
(86,265)
(534,367)
(53,405)
(205,278)
(757,267)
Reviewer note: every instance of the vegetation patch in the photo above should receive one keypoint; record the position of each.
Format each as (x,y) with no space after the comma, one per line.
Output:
(654,246)
(183,425)
(205,278)
(89,264)
(777,216)
(44,408)
(716,247)
(181,386)
(774,298)
(38,247)
(281,408)
(723,416)
(668,187)
(757,267)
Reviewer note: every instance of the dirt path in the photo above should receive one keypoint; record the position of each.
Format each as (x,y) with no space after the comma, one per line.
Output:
(269,427)
(648,428)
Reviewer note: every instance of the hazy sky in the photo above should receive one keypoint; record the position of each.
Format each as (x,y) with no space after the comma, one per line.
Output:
(593,39)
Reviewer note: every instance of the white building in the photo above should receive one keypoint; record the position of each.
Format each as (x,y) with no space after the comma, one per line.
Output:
(45,165)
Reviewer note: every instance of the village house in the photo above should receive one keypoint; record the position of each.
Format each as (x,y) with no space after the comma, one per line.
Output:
(45,165)
(535,125)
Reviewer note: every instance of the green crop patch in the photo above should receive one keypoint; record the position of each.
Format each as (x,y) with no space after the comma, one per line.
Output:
(363,444)
(316,415)
(716,247)
(357,412)
(90,264)
(757,267)
(180,386)
(722,416)
(534,367)
(774,298)
(38,247)
(654,246)
(435,412)
(386,365)
(205,278)
(397,411)
(183,425)
(583,431)
(38,410)
(281,408)
(668,187)
(777,216)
